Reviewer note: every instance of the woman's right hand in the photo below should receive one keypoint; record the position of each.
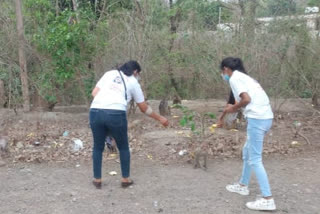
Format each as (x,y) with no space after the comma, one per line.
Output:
(164,121)
(220,123)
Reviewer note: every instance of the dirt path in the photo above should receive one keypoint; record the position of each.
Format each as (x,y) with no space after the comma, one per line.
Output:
(66,188)
(50,178)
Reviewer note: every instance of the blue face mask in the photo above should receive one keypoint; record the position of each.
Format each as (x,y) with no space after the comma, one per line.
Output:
(225,77)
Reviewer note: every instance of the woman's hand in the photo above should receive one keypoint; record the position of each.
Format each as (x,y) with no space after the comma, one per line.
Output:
(164,121)
(220,123)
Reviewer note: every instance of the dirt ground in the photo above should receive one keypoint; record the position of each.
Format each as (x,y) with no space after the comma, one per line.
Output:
(42,173)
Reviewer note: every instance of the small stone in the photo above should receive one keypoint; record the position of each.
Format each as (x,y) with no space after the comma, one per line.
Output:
(3,143)
(37,143)
(26,170)
(308,190)
(2,163)
(220,147)
(19,145)
(74,200)
(73,194)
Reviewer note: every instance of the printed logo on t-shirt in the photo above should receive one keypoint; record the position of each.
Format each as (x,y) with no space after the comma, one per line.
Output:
(117,80)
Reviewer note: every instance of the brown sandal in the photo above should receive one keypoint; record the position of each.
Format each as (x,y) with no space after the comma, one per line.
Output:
(126,184)
(97,184)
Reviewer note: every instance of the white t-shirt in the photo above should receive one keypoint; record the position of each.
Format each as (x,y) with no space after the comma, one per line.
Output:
(111,93)
(259,107)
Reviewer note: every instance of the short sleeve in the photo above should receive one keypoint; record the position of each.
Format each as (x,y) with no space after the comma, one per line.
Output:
(238,86)
(137,93)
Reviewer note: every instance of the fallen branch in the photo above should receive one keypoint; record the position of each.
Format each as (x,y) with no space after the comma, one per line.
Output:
(296,132)
(301,135)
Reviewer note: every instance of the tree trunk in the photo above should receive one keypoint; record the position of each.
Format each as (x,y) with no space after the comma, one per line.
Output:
(2,94)
(57,8)
(22,58)
(174,23)
(75,9)
(249,18)
(315,100)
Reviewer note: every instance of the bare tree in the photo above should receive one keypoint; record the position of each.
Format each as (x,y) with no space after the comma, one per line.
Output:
(174,24)
(2,94)
(22,58)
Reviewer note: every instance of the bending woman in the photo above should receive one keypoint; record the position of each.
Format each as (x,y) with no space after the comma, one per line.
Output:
(251,97)
(108,115)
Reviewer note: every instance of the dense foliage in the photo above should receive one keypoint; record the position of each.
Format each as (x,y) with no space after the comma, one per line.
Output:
(179,44)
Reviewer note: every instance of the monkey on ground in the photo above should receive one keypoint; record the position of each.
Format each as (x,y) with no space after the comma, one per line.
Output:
(164,108)
(201,156)
(3,144)
(176,100)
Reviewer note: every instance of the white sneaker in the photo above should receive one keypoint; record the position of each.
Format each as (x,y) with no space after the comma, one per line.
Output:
(237,188)
(262,204)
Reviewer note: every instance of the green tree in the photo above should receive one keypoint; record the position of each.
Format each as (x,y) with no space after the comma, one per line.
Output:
(314,3)
(281,7)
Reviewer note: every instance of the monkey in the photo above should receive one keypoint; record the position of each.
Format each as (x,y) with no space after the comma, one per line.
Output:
(164,109)
(3,144)
(111,144)
(231,121)
(132,108)
(176,100)
(200,153)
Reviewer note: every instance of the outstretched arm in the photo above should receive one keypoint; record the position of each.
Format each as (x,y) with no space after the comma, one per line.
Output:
(144,108)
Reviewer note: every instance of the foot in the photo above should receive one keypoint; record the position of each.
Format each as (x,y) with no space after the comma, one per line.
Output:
(237,188)
(97,183)
(126,183)
(262,204)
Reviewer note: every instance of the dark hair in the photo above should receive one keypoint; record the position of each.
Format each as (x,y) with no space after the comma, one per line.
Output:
(233,63)
(129,67)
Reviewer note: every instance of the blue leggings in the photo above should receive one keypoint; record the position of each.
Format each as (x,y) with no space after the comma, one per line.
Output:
(105,122)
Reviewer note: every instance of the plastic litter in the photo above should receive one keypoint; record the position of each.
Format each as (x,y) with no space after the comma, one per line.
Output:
(183,152)
(113,173)
(295,143)
(155,203)
(78,145)
(65,133)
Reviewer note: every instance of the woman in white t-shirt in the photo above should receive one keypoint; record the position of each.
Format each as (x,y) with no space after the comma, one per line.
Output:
(108,115)
(250,97)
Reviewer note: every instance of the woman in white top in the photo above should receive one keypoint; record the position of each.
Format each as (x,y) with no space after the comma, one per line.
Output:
(108,115)
(250,97)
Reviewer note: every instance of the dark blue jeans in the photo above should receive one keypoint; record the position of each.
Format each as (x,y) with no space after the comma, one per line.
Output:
(105,122)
